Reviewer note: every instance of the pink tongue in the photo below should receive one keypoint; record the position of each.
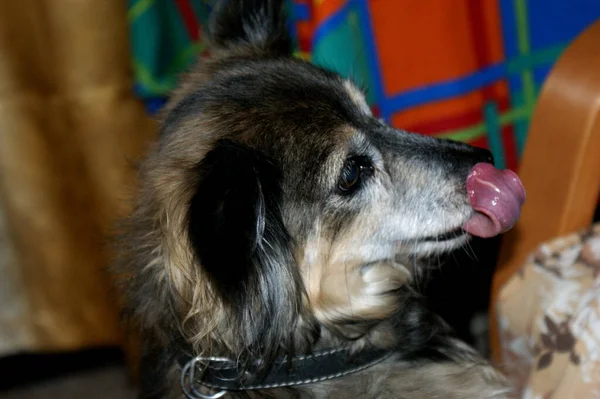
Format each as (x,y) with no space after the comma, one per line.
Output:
(497,196)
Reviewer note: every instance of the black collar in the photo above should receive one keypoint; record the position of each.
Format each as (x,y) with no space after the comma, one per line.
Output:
(223,375)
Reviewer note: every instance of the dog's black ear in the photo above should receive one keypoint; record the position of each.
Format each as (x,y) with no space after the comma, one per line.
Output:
(236,230)
(261,24)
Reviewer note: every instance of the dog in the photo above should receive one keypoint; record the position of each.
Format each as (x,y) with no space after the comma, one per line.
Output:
(274,246)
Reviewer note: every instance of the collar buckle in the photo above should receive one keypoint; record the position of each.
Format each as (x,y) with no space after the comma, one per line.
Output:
(189,376)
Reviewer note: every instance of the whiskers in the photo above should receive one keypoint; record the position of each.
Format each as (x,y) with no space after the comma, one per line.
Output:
(468,249)
(416,271)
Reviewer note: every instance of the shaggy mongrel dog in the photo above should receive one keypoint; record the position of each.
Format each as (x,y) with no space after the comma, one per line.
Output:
(272,249)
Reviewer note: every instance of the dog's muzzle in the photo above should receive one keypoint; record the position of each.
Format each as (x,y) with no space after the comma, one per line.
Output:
(222,375)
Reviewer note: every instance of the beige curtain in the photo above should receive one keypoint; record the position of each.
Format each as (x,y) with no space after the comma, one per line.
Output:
(69,131)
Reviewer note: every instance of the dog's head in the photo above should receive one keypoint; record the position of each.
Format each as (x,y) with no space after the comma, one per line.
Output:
(275,200)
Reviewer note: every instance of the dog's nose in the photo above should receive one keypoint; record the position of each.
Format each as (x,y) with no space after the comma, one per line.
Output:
(484,155)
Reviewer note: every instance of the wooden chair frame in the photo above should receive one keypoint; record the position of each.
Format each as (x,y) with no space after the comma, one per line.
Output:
(560,168)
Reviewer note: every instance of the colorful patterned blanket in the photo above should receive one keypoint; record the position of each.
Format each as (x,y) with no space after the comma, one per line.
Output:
(468,70)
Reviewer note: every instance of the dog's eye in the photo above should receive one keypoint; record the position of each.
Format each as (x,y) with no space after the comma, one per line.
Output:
(354,169)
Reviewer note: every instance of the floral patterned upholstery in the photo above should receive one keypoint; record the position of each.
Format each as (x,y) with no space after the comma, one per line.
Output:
(549,316)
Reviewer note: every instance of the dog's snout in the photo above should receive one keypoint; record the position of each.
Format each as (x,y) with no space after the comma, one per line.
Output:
(484,155)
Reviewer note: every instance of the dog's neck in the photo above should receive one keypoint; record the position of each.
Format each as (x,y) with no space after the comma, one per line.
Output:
(412,333)
(328,356)
(225,374)
(310,336)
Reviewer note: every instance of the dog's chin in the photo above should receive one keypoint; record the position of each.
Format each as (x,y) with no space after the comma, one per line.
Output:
(426,248)
(421,247)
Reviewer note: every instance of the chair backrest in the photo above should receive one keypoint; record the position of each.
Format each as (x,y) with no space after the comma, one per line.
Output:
(561,163)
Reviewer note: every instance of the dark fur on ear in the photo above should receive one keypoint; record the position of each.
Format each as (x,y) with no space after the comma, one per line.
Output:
(257,23)
(236,230)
